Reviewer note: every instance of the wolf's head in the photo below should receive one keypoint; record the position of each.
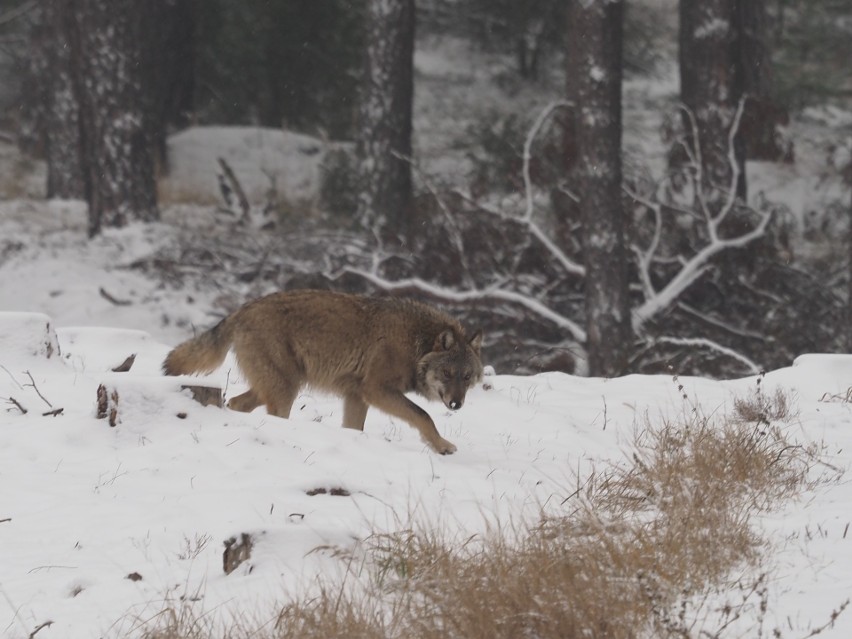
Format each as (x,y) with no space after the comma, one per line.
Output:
(450,368)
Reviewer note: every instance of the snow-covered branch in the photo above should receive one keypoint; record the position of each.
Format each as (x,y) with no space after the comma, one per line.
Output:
(695,266)
(703,342)
(453,296)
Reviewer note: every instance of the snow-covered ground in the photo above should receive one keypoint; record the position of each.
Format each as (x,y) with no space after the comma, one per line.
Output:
(83,506)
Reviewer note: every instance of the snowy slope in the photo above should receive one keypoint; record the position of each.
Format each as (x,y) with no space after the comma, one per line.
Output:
(86,505)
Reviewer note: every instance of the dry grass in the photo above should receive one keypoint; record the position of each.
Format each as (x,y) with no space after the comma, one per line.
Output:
(172,193)
(638,551)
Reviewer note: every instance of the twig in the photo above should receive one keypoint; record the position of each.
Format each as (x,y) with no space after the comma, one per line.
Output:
(5,519)
(12,377)
(830,623)
(53,413)
(112,300)
(46,624)
(35,388)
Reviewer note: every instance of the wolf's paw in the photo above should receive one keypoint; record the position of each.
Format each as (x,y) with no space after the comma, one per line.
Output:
(443,447)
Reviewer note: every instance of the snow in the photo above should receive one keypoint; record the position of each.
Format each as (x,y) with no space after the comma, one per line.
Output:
(87,505)
(83,505)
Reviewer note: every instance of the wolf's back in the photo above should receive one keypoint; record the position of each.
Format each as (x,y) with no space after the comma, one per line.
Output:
(201,354)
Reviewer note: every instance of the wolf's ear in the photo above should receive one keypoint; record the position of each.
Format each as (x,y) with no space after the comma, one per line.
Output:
(445,341)
(476,341)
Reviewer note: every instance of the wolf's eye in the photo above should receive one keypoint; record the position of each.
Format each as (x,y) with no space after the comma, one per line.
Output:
(448,374)
(467,377)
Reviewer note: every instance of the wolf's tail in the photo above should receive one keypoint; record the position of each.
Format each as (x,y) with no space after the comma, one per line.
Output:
(201,354)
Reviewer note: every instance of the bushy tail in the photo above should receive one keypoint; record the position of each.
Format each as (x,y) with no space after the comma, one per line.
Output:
(201,354)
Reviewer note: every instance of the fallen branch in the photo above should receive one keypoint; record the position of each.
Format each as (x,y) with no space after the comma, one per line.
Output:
(17,404)
(236,187)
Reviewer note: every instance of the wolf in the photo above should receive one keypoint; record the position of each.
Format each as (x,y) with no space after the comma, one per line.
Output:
(370,351)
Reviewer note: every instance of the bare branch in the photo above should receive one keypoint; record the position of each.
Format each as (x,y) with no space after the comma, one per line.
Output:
(536,231)
(696,265)
(735,166)
(543,116)
(456,236)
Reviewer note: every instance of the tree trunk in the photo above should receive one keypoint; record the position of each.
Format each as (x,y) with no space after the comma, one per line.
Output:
(385,112)
(58,39)
(753,79)
(169,67)
(98,134)
(118,150)
(708,91)
(595,66)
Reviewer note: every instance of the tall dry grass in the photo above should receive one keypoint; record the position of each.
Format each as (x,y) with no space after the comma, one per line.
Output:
(638,551)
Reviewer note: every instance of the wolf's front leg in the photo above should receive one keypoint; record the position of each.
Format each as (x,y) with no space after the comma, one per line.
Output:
(396,404)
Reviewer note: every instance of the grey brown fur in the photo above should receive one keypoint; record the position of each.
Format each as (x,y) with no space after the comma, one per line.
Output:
(368,350)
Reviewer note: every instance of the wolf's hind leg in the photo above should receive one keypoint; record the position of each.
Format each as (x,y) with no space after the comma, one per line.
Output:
(246,402)
(280,395)
(354,412)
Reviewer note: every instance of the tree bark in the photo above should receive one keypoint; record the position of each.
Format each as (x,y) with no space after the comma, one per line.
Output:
(385,114)
(595,66)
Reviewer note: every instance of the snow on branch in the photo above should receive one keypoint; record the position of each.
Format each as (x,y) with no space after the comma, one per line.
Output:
(453,296)
(703,342)
(695,266)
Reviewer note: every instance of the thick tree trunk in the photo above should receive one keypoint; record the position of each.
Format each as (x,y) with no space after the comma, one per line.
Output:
(384,138)
(169,67)
(58,41)
(99,141)
(595,56)
(708,90)
(118,151)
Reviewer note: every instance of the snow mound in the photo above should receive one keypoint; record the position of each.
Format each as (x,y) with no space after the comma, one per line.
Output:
(262,159)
